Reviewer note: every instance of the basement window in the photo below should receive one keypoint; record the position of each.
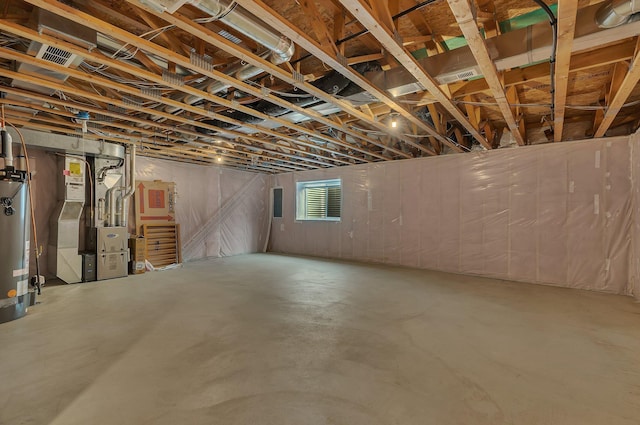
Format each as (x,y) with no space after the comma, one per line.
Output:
(319,200)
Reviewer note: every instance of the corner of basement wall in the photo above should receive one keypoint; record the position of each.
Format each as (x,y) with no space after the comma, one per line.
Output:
(222,212)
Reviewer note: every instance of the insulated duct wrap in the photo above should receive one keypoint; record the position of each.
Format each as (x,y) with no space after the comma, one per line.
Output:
(333,83)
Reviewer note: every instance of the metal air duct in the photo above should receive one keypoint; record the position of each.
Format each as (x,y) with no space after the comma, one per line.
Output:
(281,49)
(617,12)
(242,21)
(122,202)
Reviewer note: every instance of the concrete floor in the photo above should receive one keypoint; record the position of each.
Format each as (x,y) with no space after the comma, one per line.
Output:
(266,339)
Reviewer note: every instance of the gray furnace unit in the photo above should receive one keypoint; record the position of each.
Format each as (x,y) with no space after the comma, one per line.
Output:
(113,252)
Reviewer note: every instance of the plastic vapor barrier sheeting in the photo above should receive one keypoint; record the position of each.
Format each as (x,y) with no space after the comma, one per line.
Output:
(221,212)
(45,199)
(634,277)
(557,214)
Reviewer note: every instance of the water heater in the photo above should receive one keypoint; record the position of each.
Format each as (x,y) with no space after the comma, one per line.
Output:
(14,246)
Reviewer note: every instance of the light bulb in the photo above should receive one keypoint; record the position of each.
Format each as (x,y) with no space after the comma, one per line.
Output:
(219,158)
(394,123)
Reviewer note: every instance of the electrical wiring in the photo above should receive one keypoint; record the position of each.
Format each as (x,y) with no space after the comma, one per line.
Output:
(118,79)
(132,53)
(64,97)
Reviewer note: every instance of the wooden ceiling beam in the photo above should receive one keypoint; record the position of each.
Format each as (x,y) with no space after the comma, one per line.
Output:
(464,16)
(489,23)
(380,9)
(433,46)
(28,33)
(171,42)
(517,111)
(567,13)
(146,61)
(102,8)
(81,17)
(617,78)
(258,8)
(167,128)
(229,47)
(390,42)
(473,112)
(579,62)
(74,131)
(622,94)
(325,38)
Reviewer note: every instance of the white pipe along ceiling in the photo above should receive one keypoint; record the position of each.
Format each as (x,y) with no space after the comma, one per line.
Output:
(272,86)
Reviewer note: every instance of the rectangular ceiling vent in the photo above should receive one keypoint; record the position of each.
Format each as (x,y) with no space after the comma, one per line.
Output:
(55,55)
(62,29)
(232,38)
(458,75)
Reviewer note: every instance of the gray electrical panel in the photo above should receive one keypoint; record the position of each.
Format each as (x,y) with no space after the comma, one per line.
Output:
(112,252)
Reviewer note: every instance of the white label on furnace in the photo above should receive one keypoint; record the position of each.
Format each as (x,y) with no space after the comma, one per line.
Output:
(597,159)
(75,192)
(596,204)
(23,287)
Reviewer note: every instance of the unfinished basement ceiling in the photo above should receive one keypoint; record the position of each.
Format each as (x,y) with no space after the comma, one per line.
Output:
(291,85)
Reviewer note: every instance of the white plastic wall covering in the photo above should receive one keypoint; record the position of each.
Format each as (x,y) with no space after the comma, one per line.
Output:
(221,212)
(44,168)
(634,258)
(545,214)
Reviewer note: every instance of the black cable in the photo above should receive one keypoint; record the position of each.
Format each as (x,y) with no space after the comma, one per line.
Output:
(552,59)
(364,31)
